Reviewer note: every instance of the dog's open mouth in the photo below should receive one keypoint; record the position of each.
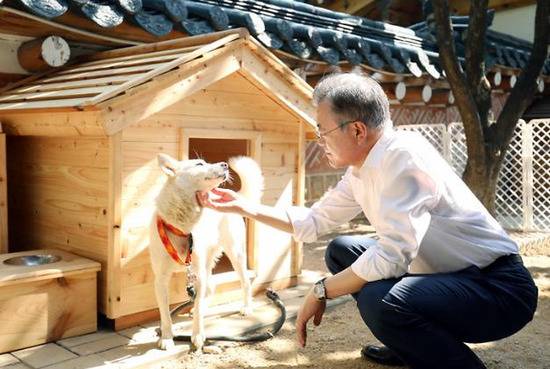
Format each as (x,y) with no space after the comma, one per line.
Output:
(224,176)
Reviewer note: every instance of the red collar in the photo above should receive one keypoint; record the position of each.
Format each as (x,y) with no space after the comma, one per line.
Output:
(162,226)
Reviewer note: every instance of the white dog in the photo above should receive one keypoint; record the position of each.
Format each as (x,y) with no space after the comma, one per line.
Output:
(212,232)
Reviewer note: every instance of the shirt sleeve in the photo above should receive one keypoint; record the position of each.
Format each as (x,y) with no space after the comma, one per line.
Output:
(336,207)
(408,193)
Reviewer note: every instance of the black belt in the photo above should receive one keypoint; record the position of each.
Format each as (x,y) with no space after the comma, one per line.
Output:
(507,259)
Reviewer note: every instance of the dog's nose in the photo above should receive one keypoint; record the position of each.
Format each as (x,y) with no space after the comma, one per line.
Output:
(224,165)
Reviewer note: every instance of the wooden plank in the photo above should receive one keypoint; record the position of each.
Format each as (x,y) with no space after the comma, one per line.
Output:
(68,151)
(156,96)
(165,67)
(47,310)
(235,83)
(139,58)
(3,196)
(13,274)
(166,45)
(230,104)
(142,69)
(151,131)
(113,304)
(69,124)
(47,95)
(283,155)
(62,103)
(138,154)
(350,7)
(101,81)
(68,234)
(297,247)
(90,203)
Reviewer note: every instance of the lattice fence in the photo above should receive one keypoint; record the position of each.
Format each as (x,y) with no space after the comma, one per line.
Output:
(523,188)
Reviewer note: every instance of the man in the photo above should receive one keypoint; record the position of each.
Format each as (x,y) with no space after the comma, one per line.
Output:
(443,271)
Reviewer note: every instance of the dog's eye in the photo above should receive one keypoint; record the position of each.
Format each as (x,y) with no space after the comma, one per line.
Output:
(200,164)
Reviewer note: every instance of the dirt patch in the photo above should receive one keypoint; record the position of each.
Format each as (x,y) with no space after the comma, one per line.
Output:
(337,342)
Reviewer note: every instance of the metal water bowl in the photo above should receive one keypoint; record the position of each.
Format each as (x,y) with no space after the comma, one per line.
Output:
(32,260)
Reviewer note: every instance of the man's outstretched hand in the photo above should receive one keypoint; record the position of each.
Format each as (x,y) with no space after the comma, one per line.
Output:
(221,199)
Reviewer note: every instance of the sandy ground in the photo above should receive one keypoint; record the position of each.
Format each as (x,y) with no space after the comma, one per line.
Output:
(336,343)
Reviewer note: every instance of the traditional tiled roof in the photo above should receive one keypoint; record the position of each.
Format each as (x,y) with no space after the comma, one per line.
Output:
(297,29)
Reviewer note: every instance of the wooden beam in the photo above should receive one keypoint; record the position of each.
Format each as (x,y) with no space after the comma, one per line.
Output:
(6,79)
(43,53)
(350,7)
(461,7)
(111,297)
(165,45)
(3,196)
(18,22)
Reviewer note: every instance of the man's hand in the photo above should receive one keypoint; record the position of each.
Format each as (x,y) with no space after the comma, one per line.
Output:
(311,307)
(224,200)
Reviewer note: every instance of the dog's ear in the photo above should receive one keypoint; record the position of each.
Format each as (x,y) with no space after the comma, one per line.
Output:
(168,164)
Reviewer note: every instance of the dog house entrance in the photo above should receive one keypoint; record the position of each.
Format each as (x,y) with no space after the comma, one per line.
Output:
(213,151)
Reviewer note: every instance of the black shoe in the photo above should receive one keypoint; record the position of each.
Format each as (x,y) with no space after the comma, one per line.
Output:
(381,355)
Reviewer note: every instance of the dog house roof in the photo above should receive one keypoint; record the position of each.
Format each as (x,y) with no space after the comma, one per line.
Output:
(175,68)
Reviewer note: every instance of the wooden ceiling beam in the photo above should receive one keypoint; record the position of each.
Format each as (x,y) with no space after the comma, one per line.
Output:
(350,6)
(461,7)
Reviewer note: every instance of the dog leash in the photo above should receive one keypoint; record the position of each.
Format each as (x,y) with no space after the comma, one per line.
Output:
(257,337)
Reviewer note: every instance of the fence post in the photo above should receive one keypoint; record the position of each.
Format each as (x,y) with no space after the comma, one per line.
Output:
(447,143)
(527,174)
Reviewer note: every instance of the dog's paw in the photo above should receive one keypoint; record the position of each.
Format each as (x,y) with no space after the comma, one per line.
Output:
(246,310)
(166,344)
(197,342)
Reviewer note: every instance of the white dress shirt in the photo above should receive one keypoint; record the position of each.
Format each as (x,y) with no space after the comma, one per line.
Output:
(427,219)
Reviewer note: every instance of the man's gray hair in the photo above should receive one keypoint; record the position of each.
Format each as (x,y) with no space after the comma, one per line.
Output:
(354,96)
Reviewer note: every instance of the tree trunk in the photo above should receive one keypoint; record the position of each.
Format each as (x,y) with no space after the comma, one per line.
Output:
(487,143)
(481,175)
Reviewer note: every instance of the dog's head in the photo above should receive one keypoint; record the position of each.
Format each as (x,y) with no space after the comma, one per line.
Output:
(195,174)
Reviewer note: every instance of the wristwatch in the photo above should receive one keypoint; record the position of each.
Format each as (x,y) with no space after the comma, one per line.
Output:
(319,290)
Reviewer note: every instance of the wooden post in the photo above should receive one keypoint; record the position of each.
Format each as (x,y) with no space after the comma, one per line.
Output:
(3,196)
(43,53)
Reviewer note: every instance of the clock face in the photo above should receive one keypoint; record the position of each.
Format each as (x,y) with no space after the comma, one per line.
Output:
(55,51)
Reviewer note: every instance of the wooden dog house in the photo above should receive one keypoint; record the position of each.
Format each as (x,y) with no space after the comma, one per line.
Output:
(82,144)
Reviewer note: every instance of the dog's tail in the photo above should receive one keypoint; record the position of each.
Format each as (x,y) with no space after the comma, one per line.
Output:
(252,180)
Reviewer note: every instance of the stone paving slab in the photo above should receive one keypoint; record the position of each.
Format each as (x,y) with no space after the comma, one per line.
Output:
(7,359)
(44,355)
(86,338)
(90,361)
(100,345)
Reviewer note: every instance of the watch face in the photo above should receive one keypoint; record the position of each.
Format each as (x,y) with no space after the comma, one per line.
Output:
(318,291)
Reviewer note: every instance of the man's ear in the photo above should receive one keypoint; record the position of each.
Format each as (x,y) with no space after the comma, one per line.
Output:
(168,164)
(360,130)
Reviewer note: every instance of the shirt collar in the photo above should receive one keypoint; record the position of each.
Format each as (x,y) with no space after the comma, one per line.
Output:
(376,154)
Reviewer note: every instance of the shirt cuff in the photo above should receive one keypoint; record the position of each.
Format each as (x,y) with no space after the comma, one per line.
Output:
(372,267)
(302,223)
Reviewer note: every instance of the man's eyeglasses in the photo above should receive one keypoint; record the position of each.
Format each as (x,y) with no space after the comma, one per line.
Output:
(321,135)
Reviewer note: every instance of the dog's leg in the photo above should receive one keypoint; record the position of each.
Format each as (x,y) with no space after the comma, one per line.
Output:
(162,287)
(238,259)
(198,335)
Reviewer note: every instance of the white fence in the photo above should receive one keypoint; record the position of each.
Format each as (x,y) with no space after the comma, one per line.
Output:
(523,189)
